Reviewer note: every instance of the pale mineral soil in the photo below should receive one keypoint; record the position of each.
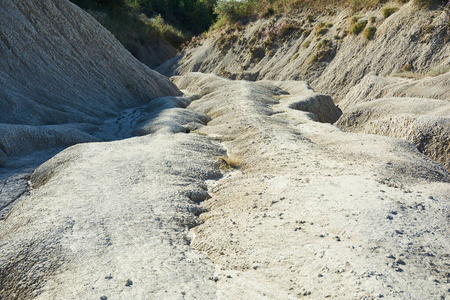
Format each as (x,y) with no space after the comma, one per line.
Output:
(239,190)
(263,203)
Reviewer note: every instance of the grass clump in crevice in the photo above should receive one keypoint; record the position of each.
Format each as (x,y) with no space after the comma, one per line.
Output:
(322,28)
(387,11)
(324,51)
(358,26)
(369,32)
(228,163)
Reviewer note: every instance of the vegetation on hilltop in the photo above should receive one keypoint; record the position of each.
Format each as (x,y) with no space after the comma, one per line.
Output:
(141,21)
(231,11)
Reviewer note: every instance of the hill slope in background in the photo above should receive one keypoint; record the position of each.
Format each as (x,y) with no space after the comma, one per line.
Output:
(152,30)
(61,73)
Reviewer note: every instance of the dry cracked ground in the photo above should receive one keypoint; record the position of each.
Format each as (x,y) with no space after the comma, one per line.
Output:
(240,191)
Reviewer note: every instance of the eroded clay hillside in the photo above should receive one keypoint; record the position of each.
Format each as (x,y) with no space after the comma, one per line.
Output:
(61,74)
(234,189)
(393,51)
(323,48)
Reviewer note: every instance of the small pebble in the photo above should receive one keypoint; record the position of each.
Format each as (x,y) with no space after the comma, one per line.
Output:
(129,283)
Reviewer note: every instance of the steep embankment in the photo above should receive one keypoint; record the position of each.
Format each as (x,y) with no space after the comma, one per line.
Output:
(328,51)
(62,73)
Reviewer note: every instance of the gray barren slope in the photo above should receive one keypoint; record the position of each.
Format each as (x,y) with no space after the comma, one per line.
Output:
(60,66)
(311,211)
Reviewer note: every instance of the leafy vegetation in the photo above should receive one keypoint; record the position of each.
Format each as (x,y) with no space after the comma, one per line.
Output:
(139,21)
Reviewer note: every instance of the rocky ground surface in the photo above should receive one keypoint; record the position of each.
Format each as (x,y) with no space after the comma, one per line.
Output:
(415,110)
(262,202)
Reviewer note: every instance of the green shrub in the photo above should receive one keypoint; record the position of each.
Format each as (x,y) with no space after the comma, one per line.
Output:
(358,26)
(387,11)
(166,31)
(127,19)
(369,32)
(233,10)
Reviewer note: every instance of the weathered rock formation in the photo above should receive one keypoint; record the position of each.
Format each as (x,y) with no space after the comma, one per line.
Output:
(59,66)
(237,190)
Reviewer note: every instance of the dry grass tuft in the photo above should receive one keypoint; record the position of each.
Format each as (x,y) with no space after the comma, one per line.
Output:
(228,163)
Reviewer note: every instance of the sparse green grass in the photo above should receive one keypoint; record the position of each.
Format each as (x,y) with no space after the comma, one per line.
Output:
(306,43)
(235,10)
(387,11)
(324,51)
(369,32)
(408,72)
(409,75)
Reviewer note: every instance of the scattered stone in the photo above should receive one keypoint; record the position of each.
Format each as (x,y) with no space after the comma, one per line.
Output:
(129,283)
